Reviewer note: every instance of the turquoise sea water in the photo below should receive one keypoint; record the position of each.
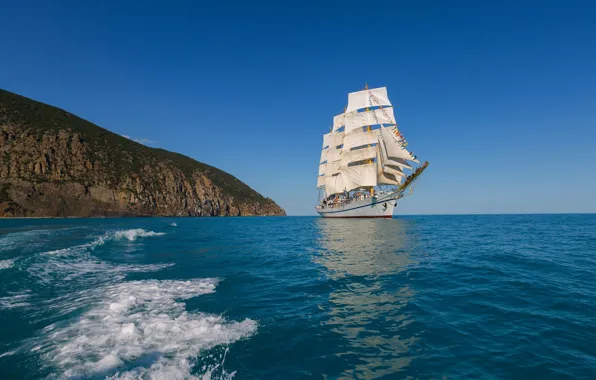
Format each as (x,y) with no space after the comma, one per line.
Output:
(500,296)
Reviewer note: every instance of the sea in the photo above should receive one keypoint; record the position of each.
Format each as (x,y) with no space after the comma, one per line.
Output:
(463,296)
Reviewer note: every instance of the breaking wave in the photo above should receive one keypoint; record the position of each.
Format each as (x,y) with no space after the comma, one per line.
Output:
(134,234)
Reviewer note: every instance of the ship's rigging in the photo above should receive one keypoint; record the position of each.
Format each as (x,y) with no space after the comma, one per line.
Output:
(365,148)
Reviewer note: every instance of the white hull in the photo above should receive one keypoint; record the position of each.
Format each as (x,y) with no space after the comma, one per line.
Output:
(375,207)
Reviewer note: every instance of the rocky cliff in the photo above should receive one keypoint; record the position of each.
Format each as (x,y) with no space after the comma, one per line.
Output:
(53,163)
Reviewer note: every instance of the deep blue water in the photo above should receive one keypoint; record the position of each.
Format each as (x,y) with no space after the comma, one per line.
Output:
(499,296)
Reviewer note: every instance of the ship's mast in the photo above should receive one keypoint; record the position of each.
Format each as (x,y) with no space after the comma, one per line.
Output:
(372,189)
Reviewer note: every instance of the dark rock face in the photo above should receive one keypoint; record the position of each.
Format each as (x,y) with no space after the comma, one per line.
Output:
(53,163)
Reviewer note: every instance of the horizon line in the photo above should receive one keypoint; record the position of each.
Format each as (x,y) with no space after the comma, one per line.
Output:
(495,213)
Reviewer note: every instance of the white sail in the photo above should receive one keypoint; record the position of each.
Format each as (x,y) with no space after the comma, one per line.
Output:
(333,154)
(323,169)
(362,99)
(359,176)
(393,148)
(325,149)
(336,139)
(323,156)
(320,181)
(334,184)
(358,158)
(388,179)
(355,140)
(395,170)
(356,120)
(401,163)
(390,169)
(339,121)
(358,155)
(333,179)
(386,160)
(332,168)
(385,178)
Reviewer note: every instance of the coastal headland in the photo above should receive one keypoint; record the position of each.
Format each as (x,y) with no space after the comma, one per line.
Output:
(55,164)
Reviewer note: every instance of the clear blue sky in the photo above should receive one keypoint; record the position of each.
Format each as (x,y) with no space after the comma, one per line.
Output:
(500,96)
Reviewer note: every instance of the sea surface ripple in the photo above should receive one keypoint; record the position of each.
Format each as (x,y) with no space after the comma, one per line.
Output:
(483,296)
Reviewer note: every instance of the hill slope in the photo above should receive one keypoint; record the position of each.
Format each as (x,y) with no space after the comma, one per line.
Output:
(53,163)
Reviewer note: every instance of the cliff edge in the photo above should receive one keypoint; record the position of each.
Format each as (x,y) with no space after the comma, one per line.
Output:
(55,164)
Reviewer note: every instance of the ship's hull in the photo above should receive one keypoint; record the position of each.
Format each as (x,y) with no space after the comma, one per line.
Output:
(381,207)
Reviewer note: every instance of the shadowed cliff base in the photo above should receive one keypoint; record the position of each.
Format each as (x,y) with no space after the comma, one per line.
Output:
(53,163)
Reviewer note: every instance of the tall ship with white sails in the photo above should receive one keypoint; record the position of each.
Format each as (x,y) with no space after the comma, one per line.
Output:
(365,168)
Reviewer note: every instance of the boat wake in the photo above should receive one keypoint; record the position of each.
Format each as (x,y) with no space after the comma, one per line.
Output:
(130,235)
(104,326)
(64,265)
(15,300)
(29,239)
(139,329)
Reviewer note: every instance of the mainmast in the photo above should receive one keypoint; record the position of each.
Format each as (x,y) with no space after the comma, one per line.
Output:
(368,128)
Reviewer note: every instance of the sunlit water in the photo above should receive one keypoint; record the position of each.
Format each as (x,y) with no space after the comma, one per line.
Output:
(264,298)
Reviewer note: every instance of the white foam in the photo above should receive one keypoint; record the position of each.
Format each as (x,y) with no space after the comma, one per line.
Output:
(134,234)
(140,329)
(130,235)
(76,263)
(13,239)
(107,362)
(173,224)
(61,270)
(30,239)
(15,300)
(5,264)
(127,330)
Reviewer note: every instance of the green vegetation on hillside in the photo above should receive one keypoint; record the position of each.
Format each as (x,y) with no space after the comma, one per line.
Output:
(123,155)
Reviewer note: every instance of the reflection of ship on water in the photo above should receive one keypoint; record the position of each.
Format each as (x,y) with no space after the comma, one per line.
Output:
(367,260)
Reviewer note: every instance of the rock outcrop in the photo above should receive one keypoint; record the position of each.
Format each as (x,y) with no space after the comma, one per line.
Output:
(55,164)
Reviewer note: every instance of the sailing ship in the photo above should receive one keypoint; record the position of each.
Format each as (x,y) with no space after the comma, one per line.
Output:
(365,167)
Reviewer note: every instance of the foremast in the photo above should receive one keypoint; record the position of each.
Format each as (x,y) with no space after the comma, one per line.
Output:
(365,148)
